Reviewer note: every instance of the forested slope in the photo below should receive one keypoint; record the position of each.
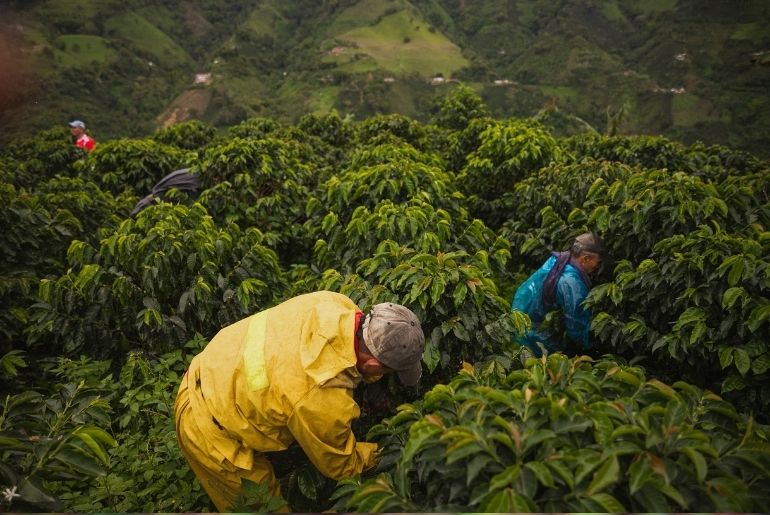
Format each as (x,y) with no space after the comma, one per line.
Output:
(689,70)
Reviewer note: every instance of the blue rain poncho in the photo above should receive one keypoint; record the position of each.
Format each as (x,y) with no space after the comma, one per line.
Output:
(571,291)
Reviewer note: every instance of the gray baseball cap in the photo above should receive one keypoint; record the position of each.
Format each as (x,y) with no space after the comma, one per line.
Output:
(77,123)
(394,336)
(590,242)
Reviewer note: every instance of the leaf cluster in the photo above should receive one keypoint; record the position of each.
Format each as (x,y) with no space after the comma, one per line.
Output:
(564,435)
(145,286)
(508,153)
(700,300)
(446,218)
(132,164)
(147,471)
(56,437)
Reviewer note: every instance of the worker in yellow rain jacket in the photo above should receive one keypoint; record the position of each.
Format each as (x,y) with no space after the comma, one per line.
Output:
(285,374)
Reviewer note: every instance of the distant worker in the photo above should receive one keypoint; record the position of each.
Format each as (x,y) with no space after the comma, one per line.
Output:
(562,283)
(181,179)
(287,374)
(82,140)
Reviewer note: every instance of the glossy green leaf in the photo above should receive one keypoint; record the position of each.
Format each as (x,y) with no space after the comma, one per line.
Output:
(701,467)
(760,364)
(79,462)
(542,473)
(726,356)
(731,295)
(608,474)
(504,478)
(609,503)
(758,316)
(93,445)
(38,497)
(742,361)
(639,473)
(476,465)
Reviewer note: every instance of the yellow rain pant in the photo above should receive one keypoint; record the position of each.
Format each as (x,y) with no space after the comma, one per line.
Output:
(220,478)
(282,375)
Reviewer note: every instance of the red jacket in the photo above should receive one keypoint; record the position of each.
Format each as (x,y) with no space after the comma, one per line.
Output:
(85,141)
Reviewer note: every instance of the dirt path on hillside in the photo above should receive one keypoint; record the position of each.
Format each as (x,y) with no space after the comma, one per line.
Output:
(195,21)
(190,103)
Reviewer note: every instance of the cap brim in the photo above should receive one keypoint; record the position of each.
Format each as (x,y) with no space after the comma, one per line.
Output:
(412,375)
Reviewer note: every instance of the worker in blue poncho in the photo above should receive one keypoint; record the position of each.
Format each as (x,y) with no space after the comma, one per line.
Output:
(560,285)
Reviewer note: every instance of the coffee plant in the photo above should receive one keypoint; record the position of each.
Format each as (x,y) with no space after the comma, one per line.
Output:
(564,435)
(508,153)
(459,145)
(146,469)
(26,162)
(713,162)
(453,294)
(330,128)
(398,180)
(399,127)
(100,313)
(455,110)
(92,206)
(542,211)
(256,128)
(134,165)
(188,135)
(57,437)
(389,152)
(699,307)
(143,288)
(632,209)
(32,247)
(256,183)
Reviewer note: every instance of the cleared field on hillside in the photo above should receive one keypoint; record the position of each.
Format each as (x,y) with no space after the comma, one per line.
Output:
(265,20)
(322,100)
(688,109)
(365,12)
(148,38)
(81,50)
(402,44)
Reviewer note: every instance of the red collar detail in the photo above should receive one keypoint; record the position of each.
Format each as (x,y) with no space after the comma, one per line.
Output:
(359,316)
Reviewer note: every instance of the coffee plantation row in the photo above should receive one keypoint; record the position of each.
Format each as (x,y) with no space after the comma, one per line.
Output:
(100,312)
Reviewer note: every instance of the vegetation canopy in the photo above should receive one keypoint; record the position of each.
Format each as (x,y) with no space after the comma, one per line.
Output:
(101,312)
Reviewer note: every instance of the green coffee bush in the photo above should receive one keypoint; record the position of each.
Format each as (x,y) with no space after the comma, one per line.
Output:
(565,435)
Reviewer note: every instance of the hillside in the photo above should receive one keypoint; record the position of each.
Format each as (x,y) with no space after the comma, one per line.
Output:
(684,69)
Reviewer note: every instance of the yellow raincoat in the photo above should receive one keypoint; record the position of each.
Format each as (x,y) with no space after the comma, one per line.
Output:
(284,374)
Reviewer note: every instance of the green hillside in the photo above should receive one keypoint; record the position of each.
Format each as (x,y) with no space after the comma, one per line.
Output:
(147,38)
(370,36)
(73,51)
(681,68)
